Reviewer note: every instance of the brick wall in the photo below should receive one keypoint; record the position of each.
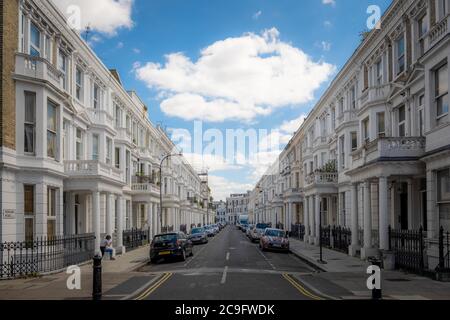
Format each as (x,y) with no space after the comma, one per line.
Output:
(8,46)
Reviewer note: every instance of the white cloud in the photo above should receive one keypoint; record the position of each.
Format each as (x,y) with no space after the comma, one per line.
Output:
(326,46)
(222,188)
(104,16)
(136,50)
(292,126)
(236,79)
(257,15)
(327,24)
(329,2)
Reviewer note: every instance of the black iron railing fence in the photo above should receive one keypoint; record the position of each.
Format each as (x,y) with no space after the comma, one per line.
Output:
(167,229)
(135,238)
(342,238)
(44,255)
(325,233)
(408,248)
(183,228)
(298,231)
(279,226)
(444,251)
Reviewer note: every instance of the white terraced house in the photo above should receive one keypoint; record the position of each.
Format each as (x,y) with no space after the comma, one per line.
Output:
(237,205)
(78,153)
(372,159)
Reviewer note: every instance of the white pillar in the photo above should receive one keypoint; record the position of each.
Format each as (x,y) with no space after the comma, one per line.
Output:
(317,218)
(410,205)
(306,217)
(120,223)
(312,220)
(367,251)
(384,213)
(96,219)
(355,243)
(290,216)
(109,214)
(150,217)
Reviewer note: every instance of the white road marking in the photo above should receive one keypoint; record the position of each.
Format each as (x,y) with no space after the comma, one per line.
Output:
(224,276)
(228,256)
(265,258)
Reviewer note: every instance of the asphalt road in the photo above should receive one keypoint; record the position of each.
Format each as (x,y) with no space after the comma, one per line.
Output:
(229,267)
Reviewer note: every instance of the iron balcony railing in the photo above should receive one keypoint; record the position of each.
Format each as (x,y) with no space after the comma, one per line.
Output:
(44,255)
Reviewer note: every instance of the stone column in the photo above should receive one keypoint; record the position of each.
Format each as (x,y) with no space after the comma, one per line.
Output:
(290,216)
(109,230)
(150,217)
(355,246)
(367,251)
(312,220)
(306,217)
(410,205)
(317,218)
(120,223)
(96,219)
(384,213)
(71,211)
(432,217)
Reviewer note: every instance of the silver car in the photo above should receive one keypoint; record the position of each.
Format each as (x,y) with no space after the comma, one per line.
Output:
(198,236)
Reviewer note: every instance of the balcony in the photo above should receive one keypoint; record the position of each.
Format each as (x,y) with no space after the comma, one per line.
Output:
(101,117)
(123,134)
(438,31)
(390,148)
(91,168)
(145,188)
(39,69)
(374,94)
(322,178)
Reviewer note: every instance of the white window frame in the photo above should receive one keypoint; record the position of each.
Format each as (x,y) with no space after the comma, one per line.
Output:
(31,45)
(30,124)
(79,142)
(439,96)
(399,56)
(79,84)
(95,147)
(109,148)
(379,114)
(401,123)
(52,132)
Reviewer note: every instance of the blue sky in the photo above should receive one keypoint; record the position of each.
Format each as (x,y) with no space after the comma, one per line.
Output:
(138,39)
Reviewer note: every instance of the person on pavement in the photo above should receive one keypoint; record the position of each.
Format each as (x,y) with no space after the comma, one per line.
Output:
(106,247)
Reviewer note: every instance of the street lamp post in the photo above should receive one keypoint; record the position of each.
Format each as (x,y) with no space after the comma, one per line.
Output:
(160,187)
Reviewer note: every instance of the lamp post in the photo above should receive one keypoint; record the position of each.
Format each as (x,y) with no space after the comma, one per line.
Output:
(160,186)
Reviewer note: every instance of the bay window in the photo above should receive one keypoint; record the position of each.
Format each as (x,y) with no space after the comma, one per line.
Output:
(52,129)
(30,122)
(354,137)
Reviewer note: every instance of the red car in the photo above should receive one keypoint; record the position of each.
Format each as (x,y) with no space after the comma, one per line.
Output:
(274,239)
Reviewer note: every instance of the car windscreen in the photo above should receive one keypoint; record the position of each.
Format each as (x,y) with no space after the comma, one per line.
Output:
(197,230)
(166,237)
(275,233)
(262,226)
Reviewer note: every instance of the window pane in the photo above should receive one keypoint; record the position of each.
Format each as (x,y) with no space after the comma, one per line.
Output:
(28,138)
(442,81)
(30,107)
(29,230)
(35,36)
(401,114)
(381,123)
(443,178)
(51,117)
(28,194)
(51,144)
(51,229)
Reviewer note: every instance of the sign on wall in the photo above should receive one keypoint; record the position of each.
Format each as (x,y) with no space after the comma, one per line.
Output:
(9,214)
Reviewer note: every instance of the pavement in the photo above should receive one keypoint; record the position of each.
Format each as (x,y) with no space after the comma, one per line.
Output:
(118,281)
(345,277)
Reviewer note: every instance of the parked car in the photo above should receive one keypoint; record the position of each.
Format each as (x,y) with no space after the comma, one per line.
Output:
(244,227)
(198,235)
(170,245)
(209,231)
(274,239)
(249,229)
(258,231)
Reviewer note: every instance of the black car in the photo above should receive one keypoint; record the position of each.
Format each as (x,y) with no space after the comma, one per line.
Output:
(170,245)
